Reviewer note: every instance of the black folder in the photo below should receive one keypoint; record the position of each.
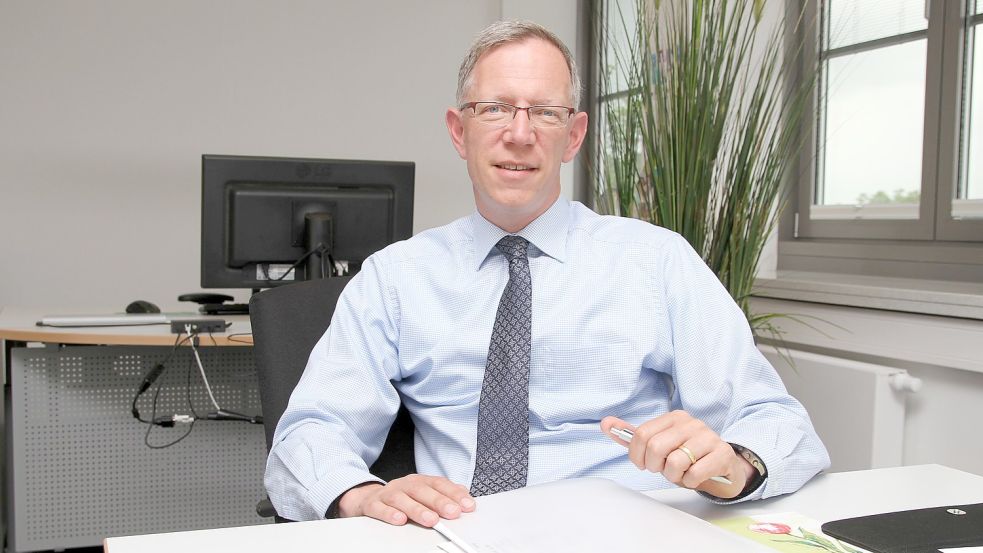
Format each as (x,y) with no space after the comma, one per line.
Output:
(915,531)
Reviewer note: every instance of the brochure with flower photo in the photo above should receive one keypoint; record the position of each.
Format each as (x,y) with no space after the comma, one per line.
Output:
(787,532)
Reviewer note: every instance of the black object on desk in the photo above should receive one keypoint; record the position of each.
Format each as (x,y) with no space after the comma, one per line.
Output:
(214,304)
(225,309)
(914,531)
(142,306)
(203,298)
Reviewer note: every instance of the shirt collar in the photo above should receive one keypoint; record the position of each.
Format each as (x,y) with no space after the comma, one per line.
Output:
(548,233)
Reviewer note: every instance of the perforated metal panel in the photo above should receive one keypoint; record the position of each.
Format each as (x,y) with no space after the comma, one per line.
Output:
(81,471)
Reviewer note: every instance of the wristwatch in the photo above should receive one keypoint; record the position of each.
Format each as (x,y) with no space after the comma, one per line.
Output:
(757,463)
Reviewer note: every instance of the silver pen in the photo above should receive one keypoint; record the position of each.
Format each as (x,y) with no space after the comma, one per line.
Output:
(627,435)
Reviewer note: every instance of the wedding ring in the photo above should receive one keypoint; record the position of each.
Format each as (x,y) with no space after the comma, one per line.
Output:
(692,458)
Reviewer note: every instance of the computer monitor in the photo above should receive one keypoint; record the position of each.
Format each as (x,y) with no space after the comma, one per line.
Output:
(267,221)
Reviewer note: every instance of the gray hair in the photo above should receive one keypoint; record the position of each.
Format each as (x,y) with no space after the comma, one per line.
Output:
(506,32)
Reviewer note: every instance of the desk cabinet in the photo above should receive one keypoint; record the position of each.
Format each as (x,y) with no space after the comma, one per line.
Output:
(78,469)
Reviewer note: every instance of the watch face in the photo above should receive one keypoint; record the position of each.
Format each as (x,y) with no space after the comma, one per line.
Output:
(752,458)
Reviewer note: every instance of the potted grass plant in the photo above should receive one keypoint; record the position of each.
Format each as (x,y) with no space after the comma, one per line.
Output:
(699,126)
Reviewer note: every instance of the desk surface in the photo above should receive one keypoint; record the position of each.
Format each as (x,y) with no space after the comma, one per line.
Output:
(849,494)
(826,497)
(19,324)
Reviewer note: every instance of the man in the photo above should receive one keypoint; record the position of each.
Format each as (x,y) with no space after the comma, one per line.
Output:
(520,336)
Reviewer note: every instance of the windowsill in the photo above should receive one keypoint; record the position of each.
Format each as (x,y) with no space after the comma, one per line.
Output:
(929,297)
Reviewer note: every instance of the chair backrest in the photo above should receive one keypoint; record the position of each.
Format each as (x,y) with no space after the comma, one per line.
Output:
(287,322)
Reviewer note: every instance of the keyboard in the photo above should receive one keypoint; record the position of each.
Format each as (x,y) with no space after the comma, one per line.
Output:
(118,319)
(225,309)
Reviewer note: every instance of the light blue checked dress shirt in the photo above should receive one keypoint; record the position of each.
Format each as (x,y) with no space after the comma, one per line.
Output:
(627,321)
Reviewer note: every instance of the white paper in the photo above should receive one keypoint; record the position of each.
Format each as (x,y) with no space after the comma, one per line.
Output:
(587,515)
(447,547)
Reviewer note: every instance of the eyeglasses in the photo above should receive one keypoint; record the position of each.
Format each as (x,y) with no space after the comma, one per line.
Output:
(500,114)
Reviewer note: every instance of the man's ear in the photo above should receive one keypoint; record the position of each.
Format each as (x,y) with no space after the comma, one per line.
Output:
(455,127)
(578,130)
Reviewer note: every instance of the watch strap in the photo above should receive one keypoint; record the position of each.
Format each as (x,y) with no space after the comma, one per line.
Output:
(759,466)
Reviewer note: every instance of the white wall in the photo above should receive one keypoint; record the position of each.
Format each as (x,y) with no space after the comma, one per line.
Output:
(107,105)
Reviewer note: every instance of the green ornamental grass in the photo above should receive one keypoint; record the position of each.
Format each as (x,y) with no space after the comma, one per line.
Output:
(700,126)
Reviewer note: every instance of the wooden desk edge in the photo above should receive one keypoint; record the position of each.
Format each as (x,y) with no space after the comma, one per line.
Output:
(112,339)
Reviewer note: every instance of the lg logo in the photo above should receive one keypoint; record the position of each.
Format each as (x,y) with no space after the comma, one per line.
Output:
(311,170)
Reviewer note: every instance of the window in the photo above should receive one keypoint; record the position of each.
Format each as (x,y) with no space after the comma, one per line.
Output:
(894,155)
(615,22)
(969,194)
(872,78)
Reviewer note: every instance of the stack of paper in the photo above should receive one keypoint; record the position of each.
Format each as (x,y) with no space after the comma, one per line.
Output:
(588,515)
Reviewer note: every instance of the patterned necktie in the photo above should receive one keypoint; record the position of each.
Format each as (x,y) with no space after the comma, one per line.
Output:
(502,458)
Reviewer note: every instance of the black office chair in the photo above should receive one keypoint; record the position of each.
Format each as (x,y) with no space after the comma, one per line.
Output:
(287,322)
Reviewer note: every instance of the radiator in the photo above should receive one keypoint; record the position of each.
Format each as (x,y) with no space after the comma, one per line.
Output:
(858,409)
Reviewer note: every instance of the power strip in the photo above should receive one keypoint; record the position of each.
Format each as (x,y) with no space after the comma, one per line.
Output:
(198,326)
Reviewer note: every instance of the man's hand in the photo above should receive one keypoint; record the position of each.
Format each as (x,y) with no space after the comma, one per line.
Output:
(657,445)
(417,497)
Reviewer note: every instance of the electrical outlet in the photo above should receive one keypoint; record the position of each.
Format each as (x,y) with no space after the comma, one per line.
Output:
(198,326)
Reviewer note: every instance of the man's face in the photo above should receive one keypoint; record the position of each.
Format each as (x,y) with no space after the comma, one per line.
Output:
(515,170)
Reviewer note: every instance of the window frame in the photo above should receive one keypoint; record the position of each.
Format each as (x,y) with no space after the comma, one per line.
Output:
(891,247)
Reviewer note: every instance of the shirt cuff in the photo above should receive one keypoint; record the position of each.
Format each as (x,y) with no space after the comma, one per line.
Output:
(773,445)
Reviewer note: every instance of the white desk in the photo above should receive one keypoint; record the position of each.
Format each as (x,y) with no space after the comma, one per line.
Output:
(827,497)
(77,468)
